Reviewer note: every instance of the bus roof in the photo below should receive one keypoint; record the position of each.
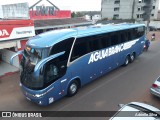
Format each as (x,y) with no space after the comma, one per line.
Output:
(50,38)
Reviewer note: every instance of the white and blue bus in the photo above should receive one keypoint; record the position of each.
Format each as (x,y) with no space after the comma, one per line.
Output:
(57,63)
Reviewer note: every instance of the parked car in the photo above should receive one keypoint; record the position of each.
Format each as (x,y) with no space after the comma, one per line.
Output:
(152,28)
(137,111)
(155,88)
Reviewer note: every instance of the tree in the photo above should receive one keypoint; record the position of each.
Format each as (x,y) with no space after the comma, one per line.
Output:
(79,14)
(73,14)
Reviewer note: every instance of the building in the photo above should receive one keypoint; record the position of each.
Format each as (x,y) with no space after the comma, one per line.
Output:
(13,37)
(158,15)
(130,9)
(19,22)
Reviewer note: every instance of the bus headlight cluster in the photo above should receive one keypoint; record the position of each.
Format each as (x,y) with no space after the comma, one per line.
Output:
(38,95)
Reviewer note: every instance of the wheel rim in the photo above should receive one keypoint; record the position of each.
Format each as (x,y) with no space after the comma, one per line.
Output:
(132,57)
(73,88)
(127,61)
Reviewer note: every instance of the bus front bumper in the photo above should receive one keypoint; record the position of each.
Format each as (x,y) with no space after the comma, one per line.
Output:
(40,99)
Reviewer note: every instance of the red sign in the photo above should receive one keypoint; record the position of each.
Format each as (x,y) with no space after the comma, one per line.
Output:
(57,15)
(4,33)
(11,29)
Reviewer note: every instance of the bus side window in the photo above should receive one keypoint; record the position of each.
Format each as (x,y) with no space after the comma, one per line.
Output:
(114,38)
(129,35)
(94,43)
(105,41)
(123,37)
(64,45)
(134,33)
(80,48)
(139,31)
(52,72)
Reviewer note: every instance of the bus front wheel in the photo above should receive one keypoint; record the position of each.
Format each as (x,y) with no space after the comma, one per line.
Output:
(72,88)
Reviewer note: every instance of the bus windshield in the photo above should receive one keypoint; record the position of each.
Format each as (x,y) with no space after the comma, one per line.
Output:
(34,55)
(31,57)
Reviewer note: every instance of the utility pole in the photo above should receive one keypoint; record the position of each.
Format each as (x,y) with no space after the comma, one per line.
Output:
(150,4)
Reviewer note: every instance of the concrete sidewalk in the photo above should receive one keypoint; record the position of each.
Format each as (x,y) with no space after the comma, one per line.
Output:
(6,68)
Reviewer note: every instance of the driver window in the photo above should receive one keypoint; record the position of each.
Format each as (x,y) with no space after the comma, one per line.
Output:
(53,71)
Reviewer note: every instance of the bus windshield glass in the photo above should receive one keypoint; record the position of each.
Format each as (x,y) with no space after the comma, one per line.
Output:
(31,57)
(34,55)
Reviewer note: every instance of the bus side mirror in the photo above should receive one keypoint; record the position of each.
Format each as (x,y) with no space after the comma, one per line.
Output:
(13,56)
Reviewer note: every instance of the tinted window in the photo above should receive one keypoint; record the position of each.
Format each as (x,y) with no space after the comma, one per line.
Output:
(105,41)
(134,33)
(123,36)
(80,48)
(94,43)
(129,35)
(64,45)
(54,70)
(115,38)
(140,31)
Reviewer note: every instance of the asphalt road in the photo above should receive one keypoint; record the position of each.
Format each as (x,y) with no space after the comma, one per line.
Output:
(123,85)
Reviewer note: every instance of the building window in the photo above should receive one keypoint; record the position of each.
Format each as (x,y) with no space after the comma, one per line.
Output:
(153,7)
(139,15)
(115,16)
(152,15)
(140,1)
(139,9)
(116,9)
(143,1)
(117,2)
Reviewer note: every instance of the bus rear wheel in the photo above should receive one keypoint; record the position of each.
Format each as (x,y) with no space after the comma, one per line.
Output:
(132,57)
(126,61)
(72,88)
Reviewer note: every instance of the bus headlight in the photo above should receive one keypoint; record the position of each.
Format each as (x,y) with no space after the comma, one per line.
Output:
(38,95)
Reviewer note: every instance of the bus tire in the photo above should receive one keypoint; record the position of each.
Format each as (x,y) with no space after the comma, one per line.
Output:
(72,88)
(132,57)
(126,61)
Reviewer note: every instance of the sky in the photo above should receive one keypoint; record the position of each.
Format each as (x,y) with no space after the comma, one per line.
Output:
(73,5)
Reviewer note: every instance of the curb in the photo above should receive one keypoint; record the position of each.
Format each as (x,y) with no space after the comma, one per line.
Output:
(8,74)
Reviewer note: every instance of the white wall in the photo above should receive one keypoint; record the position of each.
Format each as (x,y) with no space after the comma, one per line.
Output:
(125,9)
(155,24)
(1,12)
(6,55)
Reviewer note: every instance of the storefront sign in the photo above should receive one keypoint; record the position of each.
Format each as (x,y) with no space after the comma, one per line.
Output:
(3,33)
(24,29)
(44,10)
